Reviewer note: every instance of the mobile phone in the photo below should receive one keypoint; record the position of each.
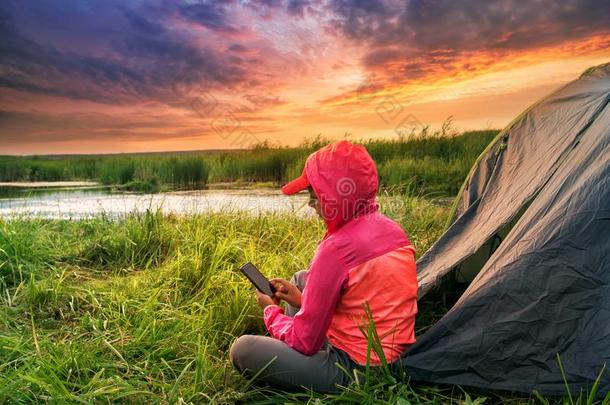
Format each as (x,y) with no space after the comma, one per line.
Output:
(256,277)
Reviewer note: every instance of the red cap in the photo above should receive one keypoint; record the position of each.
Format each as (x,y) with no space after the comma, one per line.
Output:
(296,185)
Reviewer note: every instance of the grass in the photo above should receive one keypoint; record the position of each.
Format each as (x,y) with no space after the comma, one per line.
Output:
(135,172)
(430,162)
(143,310)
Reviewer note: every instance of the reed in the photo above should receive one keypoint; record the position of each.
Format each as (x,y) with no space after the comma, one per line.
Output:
(418,160)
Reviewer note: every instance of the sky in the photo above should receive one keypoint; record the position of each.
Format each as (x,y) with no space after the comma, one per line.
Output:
(108,76)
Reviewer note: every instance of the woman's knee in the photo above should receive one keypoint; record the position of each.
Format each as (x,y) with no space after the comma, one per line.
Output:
(239,352)
(299,279)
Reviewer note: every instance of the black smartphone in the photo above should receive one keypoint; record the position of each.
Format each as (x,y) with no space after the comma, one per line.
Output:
(256,277)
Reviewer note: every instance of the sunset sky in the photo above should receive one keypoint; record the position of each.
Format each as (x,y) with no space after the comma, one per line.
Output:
(106,76)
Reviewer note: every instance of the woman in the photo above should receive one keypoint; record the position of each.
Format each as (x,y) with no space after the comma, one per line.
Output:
(364,259)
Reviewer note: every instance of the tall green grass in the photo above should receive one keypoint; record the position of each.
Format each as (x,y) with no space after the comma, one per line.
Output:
(176,171)
(423,161)
(144,309)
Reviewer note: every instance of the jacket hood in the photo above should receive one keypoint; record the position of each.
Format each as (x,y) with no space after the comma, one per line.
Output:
(344,177)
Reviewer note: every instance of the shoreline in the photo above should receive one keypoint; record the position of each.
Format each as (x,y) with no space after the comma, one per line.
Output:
(49,184)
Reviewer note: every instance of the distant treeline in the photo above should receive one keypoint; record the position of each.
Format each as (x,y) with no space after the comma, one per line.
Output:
(429,163)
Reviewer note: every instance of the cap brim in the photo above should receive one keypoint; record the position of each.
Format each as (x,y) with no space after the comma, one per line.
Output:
(296,185)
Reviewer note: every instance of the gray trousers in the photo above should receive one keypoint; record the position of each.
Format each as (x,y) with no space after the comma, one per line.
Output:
(280,366)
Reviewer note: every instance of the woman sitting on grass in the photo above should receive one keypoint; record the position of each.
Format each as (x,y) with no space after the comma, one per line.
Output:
(364,259)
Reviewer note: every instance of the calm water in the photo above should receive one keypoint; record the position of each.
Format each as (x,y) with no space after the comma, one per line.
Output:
(83,203)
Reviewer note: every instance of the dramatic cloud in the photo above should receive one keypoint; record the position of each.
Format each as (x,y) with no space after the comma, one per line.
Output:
(171,70)
(136,58)
(422,37)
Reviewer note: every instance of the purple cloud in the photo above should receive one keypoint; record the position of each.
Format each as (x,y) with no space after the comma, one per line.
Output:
(436,32)
(129,54)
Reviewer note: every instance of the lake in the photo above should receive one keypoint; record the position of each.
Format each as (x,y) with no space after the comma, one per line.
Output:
(84,202)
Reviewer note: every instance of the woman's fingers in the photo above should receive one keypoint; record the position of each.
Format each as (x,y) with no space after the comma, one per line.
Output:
(288,298)
(281,285)
(264,300)
(286,291)
(281,281)
(281,295)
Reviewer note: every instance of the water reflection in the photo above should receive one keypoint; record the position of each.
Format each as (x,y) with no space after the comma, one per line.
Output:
(84,203)
(42,192)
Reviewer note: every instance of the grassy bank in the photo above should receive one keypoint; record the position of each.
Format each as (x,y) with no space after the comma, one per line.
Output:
(144,310)
(430,163)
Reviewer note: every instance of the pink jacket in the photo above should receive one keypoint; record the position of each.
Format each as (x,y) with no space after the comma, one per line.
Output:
(364,257)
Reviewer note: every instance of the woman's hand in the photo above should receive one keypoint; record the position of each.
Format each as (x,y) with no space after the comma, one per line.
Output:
(287,291)
(263,300)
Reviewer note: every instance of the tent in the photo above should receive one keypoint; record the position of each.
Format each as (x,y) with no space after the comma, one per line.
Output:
(530,232)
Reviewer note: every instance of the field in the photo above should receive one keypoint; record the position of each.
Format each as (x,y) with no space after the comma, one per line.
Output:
(431,163)
(143,310)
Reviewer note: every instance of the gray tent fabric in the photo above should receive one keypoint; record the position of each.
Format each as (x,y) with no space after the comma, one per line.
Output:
(544,186)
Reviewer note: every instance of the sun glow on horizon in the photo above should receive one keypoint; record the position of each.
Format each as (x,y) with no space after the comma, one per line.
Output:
(115,82)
